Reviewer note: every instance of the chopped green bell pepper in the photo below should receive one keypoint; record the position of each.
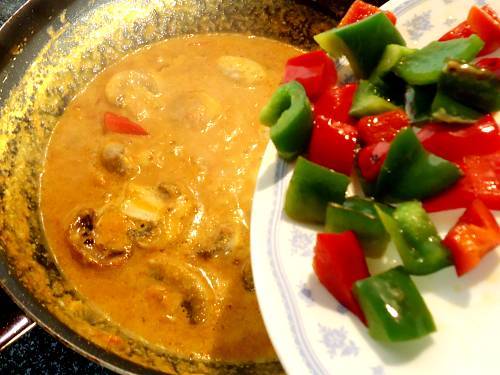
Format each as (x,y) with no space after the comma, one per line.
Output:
(389,84)
(425,65)
(410,172)
(363,42)
(359,215)
(393,307)
(367,101)
(311,188)
(418,102)
(289,115)
(416,239)
(391,56)
(447,109)
(478,88)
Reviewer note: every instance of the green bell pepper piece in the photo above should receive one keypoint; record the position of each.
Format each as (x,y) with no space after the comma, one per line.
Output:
(389,84)
(289,115)
(425,65)
(410,172)
(363,42)
(446,109)
(394,309)
(311,188)
(421,234)
(367,101)
(391,56)
(479,88)
(418,102)
(359,215)
(416,239)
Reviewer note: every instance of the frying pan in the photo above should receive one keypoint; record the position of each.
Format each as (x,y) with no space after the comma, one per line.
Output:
(49,50)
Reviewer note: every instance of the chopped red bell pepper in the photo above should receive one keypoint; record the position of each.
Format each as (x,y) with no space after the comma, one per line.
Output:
(333,144)
(453,143)
(484,173)
(485,23)
(462,30)
(314,70)
(360,10)
(335,103)
(382,127)
(481,180)
(120,124)
(338,263)
(474,235)
(371,158)
(490,63)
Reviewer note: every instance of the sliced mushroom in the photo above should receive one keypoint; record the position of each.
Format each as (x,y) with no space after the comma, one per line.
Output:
(222,240)
(135,91)
(226,238)
(195,109)
(241,69)
(143,203)
(247,276)
(99,240)
(169,190)
(115,160)
(144,233)
(159,215)
(169,303)
(198,294)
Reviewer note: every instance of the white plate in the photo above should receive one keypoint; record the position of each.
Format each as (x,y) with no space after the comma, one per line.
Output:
(311,332)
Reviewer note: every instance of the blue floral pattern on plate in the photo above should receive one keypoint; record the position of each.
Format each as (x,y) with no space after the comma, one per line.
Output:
(418,25)
(301,243)
(337,342)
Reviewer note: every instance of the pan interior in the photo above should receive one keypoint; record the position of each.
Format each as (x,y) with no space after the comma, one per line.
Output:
(63,58)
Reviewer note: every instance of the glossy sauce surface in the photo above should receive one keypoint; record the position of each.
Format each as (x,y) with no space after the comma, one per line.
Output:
(153,230)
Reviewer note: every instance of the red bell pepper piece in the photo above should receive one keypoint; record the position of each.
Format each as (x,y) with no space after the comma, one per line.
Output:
(339,262)
(481,180)
(120,124)
(333,141)
(314,70)
(474,235)
(462,30)
(485,23)
(371,158)
(453,143)
(490,63)
(382,127)
(484,174)
(333,144)
(335,103)
(360,10)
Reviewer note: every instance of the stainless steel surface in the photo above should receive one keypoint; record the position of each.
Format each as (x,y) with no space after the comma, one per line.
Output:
(15,329)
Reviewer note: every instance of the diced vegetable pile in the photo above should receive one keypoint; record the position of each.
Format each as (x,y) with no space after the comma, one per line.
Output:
(417,132)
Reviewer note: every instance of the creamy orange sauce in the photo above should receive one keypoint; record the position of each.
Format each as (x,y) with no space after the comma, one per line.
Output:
(168,255)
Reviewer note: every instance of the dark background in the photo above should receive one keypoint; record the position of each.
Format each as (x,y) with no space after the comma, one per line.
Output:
(37,352)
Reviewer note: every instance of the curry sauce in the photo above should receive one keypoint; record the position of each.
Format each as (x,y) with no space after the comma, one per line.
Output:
(153,230)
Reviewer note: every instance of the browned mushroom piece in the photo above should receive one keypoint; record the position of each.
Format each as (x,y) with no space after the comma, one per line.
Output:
(144,233)
(198,297)
(223,242)
(134,91)
(94,248)
(241,70)
(247,276)
(115,160)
